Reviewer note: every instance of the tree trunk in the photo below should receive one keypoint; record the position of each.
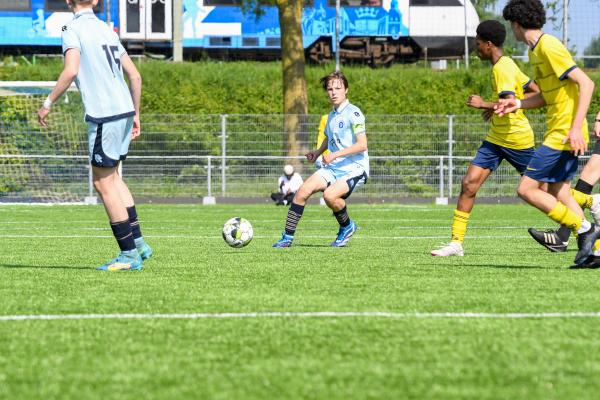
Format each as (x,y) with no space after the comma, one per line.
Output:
(295,99)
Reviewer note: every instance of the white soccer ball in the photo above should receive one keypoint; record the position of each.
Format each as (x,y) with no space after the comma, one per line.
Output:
(237,232)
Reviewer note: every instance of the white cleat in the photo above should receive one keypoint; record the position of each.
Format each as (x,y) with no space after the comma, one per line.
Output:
(451,249)
(595,208)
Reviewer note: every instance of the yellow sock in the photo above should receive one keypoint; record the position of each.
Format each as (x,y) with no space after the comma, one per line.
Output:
(596,246)
(562,215)
(459,226)
(584,200)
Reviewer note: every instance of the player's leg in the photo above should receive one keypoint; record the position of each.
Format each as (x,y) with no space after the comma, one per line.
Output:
(105,148)
(486,161)
(317,182)
(335,197)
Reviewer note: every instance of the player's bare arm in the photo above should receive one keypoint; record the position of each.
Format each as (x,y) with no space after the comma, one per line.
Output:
(531,89)
(358,147)
(66,78)
(135,88)
(314,154)
(597,125)
(477,101)
(586,88)
(505,106)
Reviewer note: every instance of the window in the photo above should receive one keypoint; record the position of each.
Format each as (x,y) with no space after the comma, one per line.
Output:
(61,6)
(15,5)
(356,3)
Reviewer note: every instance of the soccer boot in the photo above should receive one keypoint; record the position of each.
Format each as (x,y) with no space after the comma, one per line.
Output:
(595,208)
(549,239)
(451,249)
(129,260)
(285,241)
(592,262)
(143,248)
(344,234)
(585,242)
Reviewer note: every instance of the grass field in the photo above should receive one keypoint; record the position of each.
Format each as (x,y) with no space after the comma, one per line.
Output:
(47,255)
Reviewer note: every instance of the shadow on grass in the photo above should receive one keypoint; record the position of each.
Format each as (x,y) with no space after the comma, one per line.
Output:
(312,245)
(41,266)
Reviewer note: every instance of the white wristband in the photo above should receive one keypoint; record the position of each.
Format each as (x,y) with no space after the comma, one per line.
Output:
(47,103)
(518,103)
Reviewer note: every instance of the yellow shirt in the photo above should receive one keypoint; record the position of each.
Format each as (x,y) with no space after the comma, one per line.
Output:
(321,136)
(552,62)
(511,130)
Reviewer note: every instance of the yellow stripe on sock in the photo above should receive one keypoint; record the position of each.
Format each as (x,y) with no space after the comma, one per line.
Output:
(584,200)
(459,226)
(562,215)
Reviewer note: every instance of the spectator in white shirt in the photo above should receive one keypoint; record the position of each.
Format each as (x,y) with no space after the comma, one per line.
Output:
(288,183)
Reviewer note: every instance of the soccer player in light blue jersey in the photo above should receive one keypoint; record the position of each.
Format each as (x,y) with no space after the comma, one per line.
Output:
(95,59)
(345,167)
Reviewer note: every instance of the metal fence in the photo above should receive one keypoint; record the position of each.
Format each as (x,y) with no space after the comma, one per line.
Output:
(189,157)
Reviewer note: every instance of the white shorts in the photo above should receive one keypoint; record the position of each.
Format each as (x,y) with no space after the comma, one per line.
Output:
(355,177)
(108,142)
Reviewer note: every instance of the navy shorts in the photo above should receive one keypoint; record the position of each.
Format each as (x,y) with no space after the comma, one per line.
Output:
(490,155)
(549,165)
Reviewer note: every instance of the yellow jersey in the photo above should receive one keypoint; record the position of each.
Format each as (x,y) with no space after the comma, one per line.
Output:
(511,130)
(552,62)
(321,137)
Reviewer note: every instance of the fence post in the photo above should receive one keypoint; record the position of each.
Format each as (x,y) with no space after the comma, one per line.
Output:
(450,151)
(90,199)
(223,151)
(209,199)
(441,200)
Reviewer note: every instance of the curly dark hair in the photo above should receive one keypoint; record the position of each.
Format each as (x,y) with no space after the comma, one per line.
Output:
(530,14)
(336,75)
(492,31)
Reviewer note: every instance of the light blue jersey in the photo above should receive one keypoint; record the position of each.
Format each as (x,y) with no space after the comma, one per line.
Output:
(343,125)
(100,79)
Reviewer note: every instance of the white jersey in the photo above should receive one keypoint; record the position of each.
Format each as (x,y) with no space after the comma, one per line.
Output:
(343,125)
(100,79)
(290,185)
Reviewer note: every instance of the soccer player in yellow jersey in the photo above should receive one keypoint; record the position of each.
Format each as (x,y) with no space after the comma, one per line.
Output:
(566,91)
(510,137)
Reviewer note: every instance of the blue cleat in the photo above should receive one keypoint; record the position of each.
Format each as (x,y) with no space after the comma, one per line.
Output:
(285,241)
(344,235)
(126,261)
(143,248)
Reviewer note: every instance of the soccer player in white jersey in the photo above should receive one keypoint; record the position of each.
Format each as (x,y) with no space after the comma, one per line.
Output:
(95,59)
(345,167)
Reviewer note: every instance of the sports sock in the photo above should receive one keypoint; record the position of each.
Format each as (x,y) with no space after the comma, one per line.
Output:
(293,217)
(459,226)
(584,200)
(562,215)
(122,232)
(342,217)
(596,248)
(581,194)
(133,221)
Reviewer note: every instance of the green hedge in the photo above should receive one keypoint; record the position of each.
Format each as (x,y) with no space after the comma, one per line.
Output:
(211,87)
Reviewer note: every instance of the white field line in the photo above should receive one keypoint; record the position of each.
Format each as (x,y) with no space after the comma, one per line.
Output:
(216,237)
(322,314)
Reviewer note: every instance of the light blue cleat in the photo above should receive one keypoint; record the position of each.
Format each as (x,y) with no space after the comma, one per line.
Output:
(143,248)
(344,235)
(126,261)
(285,241)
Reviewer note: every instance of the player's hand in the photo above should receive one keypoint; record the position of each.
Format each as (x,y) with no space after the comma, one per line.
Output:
(311,156)
(597,128)
(578,144)
(505,106)
(487,114)
(329,157)
(136,130)
(475,101)
(42,114)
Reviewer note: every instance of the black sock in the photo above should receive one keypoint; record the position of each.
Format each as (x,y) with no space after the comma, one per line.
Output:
(293,217)
(122,232)
(134,223)
(342,217)
(583,187)
(563,233)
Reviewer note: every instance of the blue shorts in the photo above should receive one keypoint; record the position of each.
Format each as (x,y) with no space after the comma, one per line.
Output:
(354,177)
(549,165)
(490,155)
(108,142)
